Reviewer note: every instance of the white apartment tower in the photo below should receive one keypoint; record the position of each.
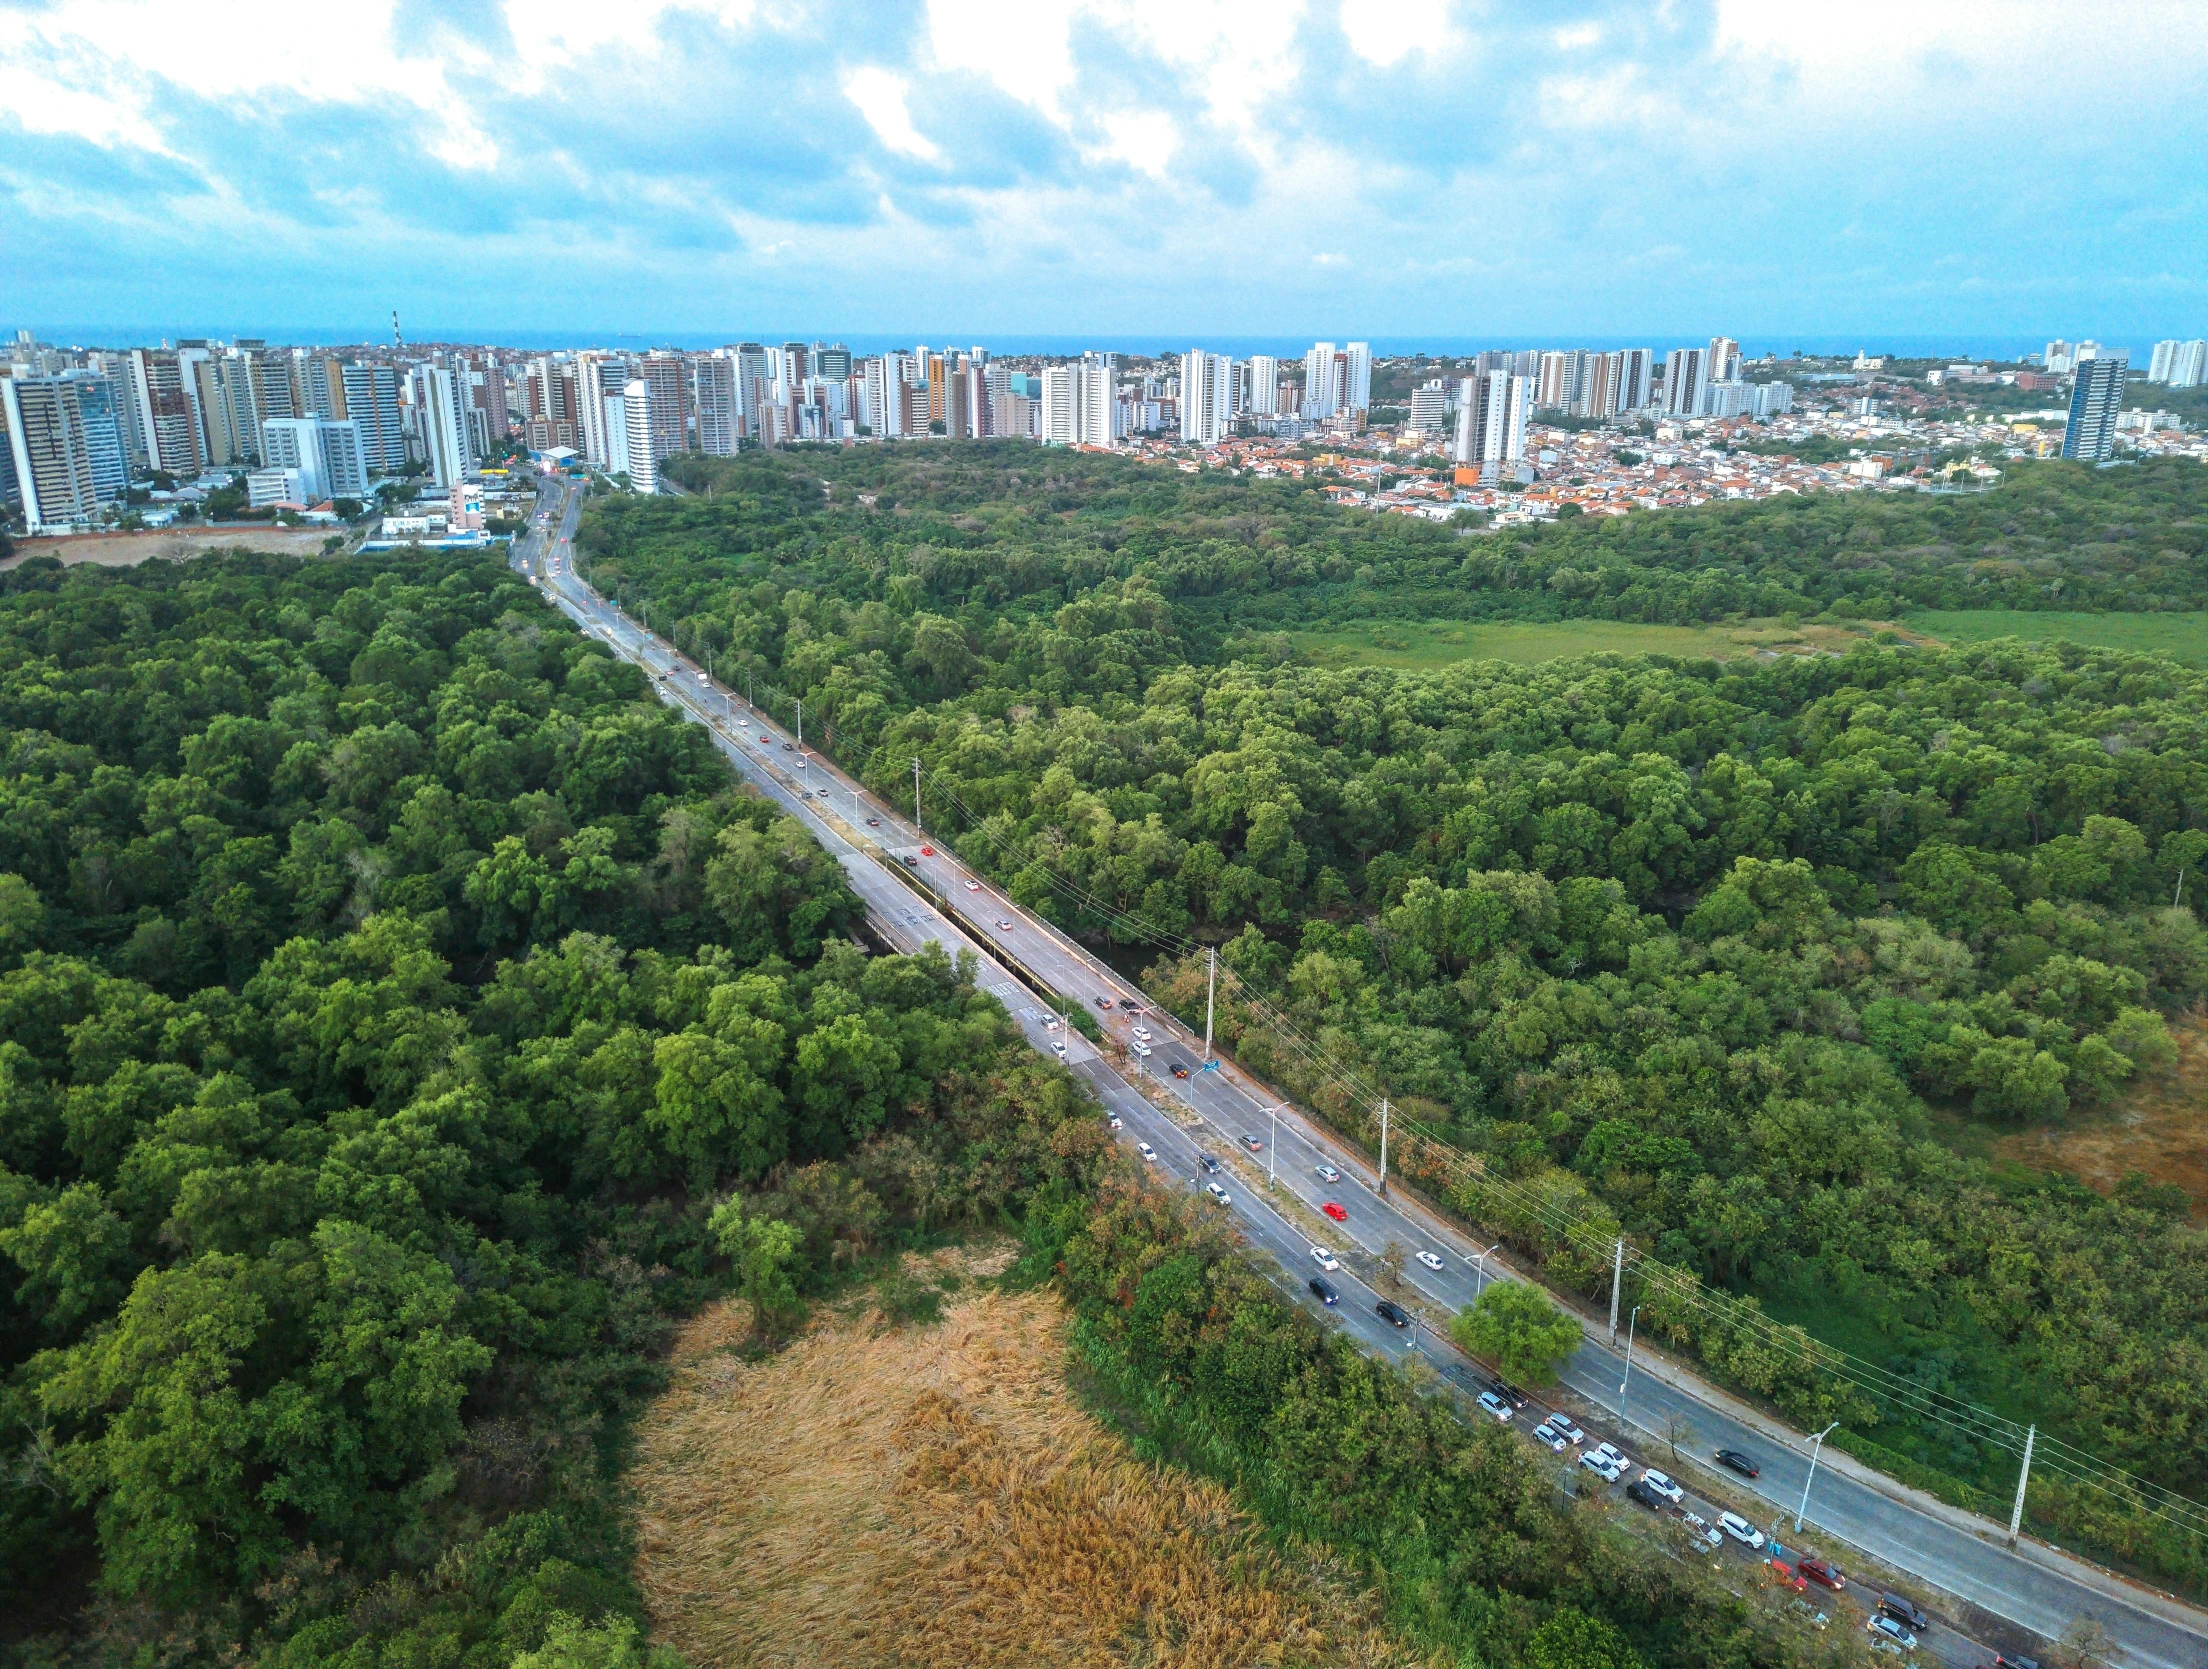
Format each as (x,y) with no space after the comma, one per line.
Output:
(447,439)
(639,419)
(713,399)
(1264,379)
(1207,397)
(1491,420)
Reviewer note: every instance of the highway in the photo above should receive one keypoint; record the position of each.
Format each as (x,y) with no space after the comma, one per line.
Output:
(1217,1112)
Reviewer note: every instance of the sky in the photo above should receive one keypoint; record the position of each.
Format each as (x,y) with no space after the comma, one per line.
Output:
(1392,170)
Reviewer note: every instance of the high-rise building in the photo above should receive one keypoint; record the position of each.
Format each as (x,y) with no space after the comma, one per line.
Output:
(642,422)
(2189,366)
(1598,386)
(832,363)
(1559,379)
(447,438)
(2096,401)
(1773,398)
(1357,376)
(1207,397)
(1491,420)
(2057,358)
(1429,408)
(599,379)
(371,403)
(230,424)
(1686,375)
(328,455)
(713,398)
(668,408)
(2158,365)
(50,454)
(1636,379)
(1723,363)
(102,406)
(1322,382)
(164,412)
(1098,400)
(1263,399)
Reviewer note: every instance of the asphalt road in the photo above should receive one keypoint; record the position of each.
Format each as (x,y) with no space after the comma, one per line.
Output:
(1218,1112)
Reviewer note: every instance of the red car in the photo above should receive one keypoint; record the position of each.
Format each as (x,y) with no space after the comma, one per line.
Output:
(1785,1573)
(1823,1574)
(927,851)
(1334,1211)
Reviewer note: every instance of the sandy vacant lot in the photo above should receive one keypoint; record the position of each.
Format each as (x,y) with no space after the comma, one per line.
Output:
(127,550)
(934,1498)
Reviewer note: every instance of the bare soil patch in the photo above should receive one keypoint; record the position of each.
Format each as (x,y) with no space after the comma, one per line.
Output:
(936,1496)
(2160,1129)
(172,544)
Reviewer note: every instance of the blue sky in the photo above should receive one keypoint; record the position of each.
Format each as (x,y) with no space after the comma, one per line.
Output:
(1390,169)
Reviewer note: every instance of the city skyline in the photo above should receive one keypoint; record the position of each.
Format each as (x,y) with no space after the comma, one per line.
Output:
(1112,171)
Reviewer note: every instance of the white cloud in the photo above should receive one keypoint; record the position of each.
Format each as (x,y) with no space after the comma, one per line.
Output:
(1383,31)
(880,97)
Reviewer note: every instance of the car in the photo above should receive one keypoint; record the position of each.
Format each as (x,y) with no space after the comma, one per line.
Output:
(1147,1151)
(1129,1004)
(1179,1071)
(873,822)
(1327,1173)
(789,747)
(1334,1211)
(1745,1465)
(1883,1627)
(1325,1259)
(1602,1467)
(908,860)
(1140,1048)
(927,851)
(1786,1576)
(1566,1430)
(1740,1529)
(1430,1261)
(1905,1611)
(1103,1002)
(1003,926)
(1638,1491)
(1050,1025)
(1826,1575)
(802,762)
(702,678)
(1323,1290)
(746,723)
(973,886)
(1114,1122)
(1208,1162)
(804,793)
(1547,1433)
(1392,1313)
(1701,1528)
(1663,1486)
(1142,1032)
(1218,1193)
(1495,1405)
(1508,1392)
(1057,1046)
(1613,1454)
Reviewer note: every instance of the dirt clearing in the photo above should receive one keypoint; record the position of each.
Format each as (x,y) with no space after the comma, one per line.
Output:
(935,1496)
(2160,1129)
(127,550)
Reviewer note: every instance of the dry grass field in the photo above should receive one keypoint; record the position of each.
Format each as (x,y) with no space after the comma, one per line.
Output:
(127,550)
(935,1496)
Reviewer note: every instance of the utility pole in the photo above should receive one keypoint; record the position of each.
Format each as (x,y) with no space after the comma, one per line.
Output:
(1818,1448)
(1274,1148)
(1630,1328)
(1479,1267)
(1211,981)
(2016,1513)
(1617,1274)
(1383,1144)
(800,724)
(916,823)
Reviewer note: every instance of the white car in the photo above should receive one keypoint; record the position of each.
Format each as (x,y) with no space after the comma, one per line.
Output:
(1114,1123)
(1605,1469)
(1662,1485)
(1325,1259)
(1142,1032)
(1050,1025)
(1430,1261)
(1566,1430)
(1740,1530)
(1546,1432)
(1327,1173)
(973,886)
(702,678)
(1147,1151)
(1885,1628)
(1059,1048)
(1612,1455)
(1218,1193)
(1140,1048)
(746,723)
(1495,1406)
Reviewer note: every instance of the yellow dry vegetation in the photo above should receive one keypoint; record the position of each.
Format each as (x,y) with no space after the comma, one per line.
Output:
(936,1497)
(2159,1128)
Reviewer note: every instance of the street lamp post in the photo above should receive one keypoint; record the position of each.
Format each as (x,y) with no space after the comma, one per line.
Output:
(1273,1148)
(1479,1268)
(1628,1379)
(1817,1447)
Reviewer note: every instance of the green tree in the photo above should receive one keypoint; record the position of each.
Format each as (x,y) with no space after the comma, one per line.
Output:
(1514,1325)
(763,1250)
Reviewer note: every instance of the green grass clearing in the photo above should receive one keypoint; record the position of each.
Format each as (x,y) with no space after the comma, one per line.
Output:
(1420,645)
(2182,637)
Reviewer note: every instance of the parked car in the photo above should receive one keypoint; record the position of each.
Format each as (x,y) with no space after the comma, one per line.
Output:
(1883,1627)
(1495,1405)
(1508,1392)
(1147,1151)
(1602,1466)
(1826,1575)
(1547,1433)
(1639,1491)
(1327,1173)
(1702,1529)
(1745,1465)
(1325,1259)
(1663,1486)
(1392,1313)
(1334,1211)
(1218,1193)
(1740,1530)
(1786,1575)
(1905,1611)
(1323,1290)
(1566,1430)
(1611,1453)
(1430,1261)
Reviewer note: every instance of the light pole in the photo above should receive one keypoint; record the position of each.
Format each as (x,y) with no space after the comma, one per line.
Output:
(1628,1379)
(1479,1268)
(1273,1148)
(1817,1447)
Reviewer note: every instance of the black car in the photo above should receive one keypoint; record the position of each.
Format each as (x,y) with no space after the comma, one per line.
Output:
(1508,1392)
(1638,1491)
(1904,1611)
(1210,1164)
(1390,1311)
(1323,1290)
(1745,1465)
